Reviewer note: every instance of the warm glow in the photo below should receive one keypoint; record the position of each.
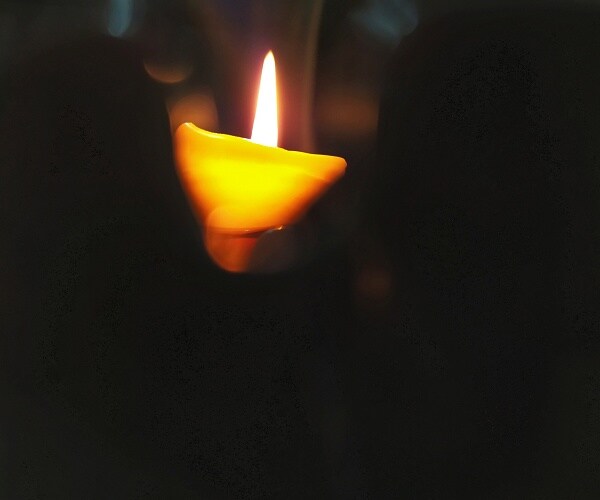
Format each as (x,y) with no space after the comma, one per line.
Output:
(239,185)
(264,130)
(240,188)
(168,73)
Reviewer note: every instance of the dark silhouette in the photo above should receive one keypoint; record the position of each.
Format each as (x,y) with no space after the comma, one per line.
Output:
(485,204)
(131,364)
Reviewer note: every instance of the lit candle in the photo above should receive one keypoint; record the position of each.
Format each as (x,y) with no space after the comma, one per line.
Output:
(240,188)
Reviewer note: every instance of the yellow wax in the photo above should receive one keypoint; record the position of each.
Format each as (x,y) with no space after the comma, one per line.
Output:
(235,185)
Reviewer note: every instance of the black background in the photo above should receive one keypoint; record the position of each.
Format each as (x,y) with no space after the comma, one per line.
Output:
(437,337)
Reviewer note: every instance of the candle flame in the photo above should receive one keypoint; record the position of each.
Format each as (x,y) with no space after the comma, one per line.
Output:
(264,130)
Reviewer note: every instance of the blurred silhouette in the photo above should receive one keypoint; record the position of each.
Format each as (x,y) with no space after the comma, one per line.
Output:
(483,216)
(131,365)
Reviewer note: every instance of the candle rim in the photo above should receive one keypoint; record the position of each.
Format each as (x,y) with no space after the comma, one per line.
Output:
(221,136)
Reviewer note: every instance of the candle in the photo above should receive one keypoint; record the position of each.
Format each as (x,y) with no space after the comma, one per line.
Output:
(239,188)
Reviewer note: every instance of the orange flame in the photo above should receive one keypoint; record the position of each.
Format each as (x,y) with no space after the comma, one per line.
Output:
(265,130)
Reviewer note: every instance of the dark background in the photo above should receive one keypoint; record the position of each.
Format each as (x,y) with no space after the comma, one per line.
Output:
(429,330)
